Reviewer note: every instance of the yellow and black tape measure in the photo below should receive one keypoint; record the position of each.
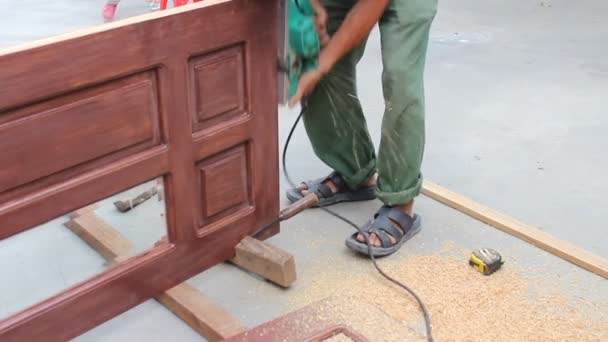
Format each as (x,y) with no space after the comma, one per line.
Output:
(486,260)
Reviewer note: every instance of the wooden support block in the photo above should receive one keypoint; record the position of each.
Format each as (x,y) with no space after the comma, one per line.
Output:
(186,302)
(203,315)
(100,236)
(563,249)
(268,261)
(88,209)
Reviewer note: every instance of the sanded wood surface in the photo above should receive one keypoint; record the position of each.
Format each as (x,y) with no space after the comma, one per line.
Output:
(266,260)
(199,312)
(563,249)
(186,95)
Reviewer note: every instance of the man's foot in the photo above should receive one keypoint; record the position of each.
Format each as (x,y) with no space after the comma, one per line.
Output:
(108,12)
(407,209)
(371,182)
(387,231)
(333,189)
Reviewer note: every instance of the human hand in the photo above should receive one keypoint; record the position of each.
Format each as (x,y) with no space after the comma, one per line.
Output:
(307,83)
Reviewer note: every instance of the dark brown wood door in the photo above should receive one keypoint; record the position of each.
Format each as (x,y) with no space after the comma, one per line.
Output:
(188,95)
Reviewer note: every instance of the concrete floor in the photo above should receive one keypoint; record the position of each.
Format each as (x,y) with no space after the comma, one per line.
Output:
(515,95)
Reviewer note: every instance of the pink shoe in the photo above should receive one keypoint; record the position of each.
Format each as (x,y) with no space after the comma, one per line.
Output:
(108,12)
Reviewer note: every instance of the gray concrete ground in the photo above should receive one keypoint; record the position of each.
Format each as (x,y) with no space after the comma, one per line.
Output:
(515,96)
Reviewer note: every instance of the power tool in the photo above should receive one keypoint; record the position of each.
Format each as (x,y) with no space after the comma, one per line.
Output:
(303,42)
(486,260)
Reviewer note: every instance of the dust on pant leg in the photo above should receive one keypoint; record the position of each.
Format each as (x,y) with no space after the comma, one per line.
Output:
(404,30)
(334,119)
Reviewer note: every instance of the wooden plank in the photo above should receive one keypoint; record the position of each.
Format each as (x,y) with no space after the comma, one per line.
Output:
(203,315)
(186,302)
(83,210)
(99,235)
(266,260)
(563,249)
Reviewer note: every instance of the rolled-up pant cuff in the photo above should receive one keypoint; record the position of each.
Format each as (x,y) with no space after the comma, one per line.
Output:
(401,197)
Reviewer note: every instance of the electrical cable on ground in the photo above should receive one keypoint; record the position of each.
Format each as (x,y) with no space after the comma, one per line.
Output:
(425,313)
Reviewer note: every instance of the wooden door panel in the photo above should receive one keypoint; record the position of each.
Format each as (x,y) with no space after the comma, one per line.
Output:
(18,213)
(218,86)
(226,179)
(187,94)
(130,121)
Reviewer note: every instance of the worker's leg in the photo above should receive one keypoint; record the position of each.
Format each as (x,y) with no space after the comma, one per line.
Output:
(404,30)
(333,116)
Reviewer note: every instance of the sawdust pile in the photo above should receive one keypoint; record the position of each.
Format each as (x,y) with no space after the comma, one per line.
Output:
(464,305)
(370,321)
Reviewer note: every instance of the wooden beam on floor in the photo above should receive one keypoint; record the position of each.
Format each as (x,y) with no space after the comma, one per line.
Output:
(202,314)
(265,260)
(563,249)
(83,210)
(199,312)
(100,236)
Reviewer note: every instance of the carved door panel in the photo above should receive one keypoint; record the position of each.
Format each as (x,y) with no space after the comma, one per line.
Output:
(188,95)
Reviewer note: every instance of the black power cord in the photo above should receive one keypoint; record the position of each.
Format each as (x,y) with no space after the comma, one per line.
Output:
(425,313)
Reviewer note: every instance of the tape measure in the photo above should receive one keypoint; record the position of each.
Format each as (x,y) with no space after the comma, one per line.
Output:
(486,260)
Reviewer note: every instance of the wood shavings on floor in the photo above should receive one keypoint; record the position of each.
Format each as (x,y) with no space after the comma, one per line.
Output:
(464,305)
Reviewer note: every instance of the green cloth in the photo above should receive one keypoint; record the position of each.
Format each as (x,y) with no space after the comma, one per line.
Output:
(334,119)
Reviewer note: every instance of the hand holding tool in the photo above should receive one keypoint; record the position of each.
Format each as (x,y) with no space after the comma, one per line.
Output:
(304,45)
(297,207)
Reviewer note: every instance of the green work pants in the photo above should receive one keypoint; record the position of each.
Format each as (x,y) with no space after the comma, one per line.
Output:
(334,119)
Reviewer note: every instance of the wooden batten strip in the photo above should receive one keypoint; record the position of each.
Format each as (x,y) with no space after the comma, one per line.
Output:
(563,249)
